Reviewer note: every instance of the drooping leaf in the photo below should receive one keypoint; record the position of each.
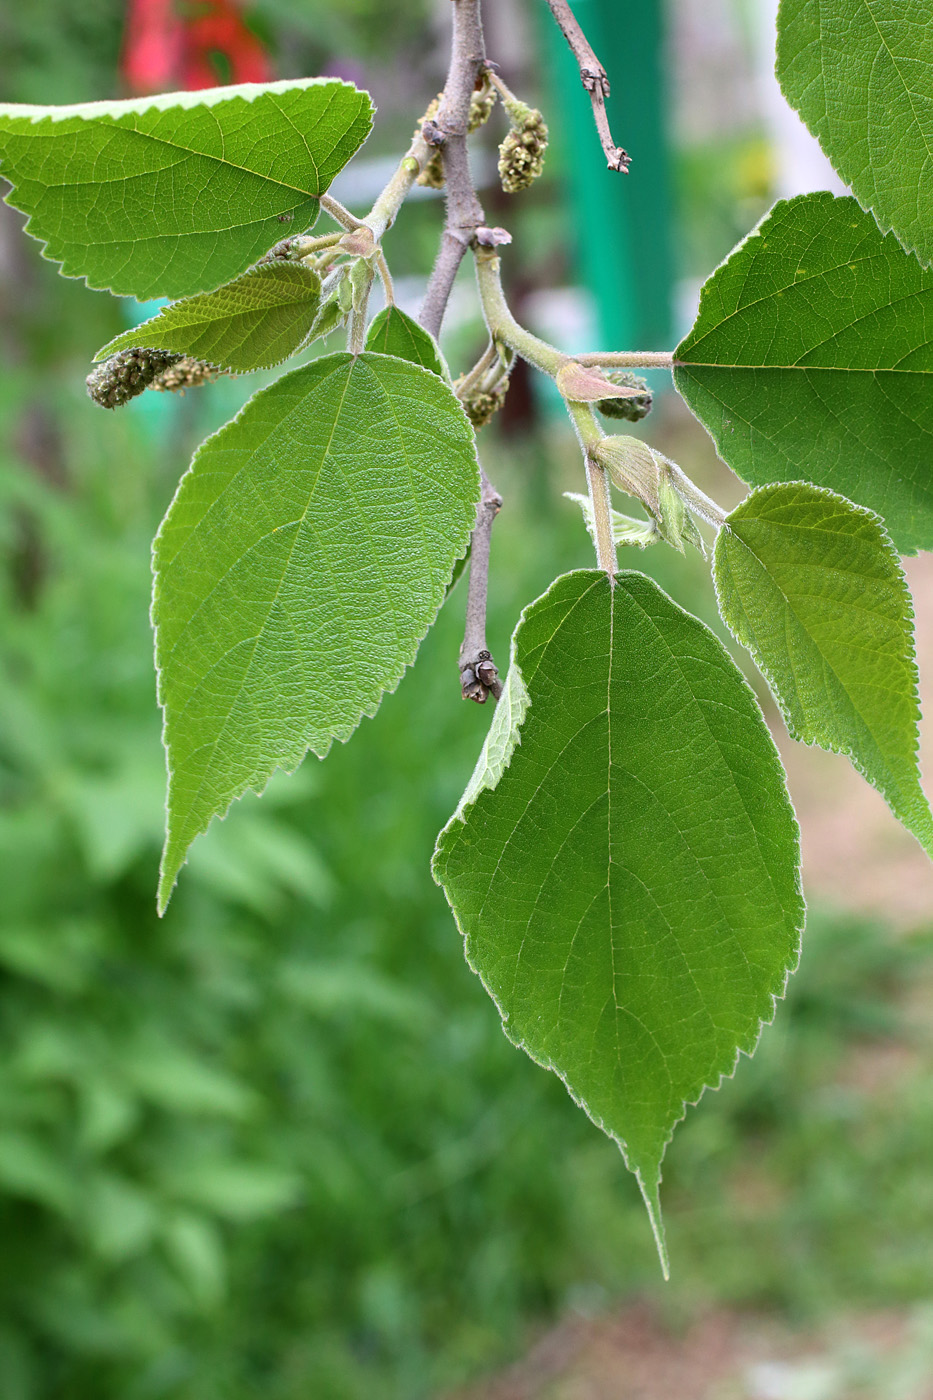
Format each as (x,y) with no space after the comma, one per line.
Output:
(812,359)
(860,73)
(301,563)
(254,322)
(624,862)
(172,195)
(394,333)
(812,586)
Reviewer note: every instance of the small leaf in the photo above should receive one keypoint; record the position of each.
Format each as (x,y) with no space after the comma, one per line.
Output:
(626,529)
(860,73)
(254,322)
(624,862)
(812,358)
(394,333)
(172,195)
(302,561)
(811,585)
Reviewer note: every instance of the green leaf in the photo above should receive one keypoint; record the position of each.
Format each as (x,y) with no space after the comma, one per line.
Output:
(624,862)
(302,561)
(860,73)
(811,585)
(812,359)
(254,322)
(172,195)
(394,333)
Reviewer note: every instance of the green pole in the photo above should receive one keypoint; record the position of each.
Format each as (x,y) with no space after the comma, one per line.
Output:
(621,223)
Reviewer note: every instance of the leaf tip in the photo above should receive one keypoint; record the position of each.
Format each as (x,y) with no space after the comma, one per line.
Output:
(651,1195)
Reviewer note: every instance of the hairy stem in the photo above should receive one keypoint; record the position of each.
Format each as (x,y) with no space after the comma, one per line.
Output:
(503,325)
(338,213)
(479,677)
(464,211)
(593,78)
(628,359)
(590,434)
(383,213)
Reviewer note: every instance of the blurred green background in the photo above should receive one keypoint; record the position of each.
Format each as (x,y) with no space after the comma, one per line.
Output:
(276,1144)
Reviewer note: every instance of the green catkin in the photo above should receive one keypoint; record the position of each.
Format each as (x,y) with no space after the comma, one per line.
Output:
(127,374)
(521,155)
(131,372)
(481,105)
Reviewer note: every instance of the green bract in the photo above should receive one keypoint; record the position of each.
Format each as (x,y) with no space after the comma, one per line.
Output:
(858,72)
(302,561)
(171,195)
(252,323)
(812,586)
(812,358)
(623,864)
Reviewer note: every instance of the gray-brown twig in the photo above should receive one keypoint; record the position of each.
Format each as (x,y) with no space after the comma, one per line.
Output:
(593,78)
(479,677)
(464,211)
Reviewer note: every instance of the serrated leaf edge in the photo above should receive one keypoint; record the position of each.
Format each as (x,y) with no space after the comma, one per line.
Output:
(128,340)
(369,711)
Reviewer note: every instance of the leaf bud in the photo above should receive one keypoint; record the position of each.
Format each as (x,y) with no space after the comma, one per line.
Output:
(482,404)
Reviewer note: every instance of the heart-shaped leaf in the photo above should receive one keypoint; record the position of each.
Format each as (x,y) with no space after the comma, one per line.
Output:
(624,862)
(812,359)
(302,561)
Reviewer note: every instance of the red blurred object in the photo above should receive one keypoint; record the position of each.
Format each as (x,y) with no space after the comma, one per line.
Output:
(186,44)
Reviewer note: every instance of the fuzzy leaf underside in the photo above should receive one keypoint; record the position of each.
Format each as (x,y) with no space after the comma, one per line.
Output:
(173,195)
(624,863)
(303,559)
(860,73)
(812,586)
(254,322)
(812,359)
(393,332)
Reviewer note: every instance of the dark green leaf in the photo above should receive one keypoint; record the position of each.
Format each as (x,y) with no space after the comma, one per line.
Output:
(811,585)
(624,862)
(860,73)
(302,561)
(812,359)
(172,195)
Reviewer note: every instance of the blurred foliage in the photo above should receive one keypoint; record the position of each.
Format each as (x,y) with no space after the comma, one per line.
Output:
(277,1144)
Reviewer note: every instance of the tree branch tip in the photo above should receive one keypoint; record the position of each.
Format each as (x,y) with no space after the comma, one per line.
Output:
(492,237)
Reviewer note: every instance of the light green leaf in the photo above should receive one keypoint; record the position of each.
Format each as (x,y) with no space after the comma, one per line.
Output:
(626,529)
(302,561)
(171,195)
(812,359)
(624,863)
(811,585)
(860,73)
(394,333)
(254,322)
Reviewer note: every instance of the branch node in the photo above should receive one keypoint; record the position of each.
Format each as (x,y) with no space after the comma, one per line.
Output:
(492,237)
